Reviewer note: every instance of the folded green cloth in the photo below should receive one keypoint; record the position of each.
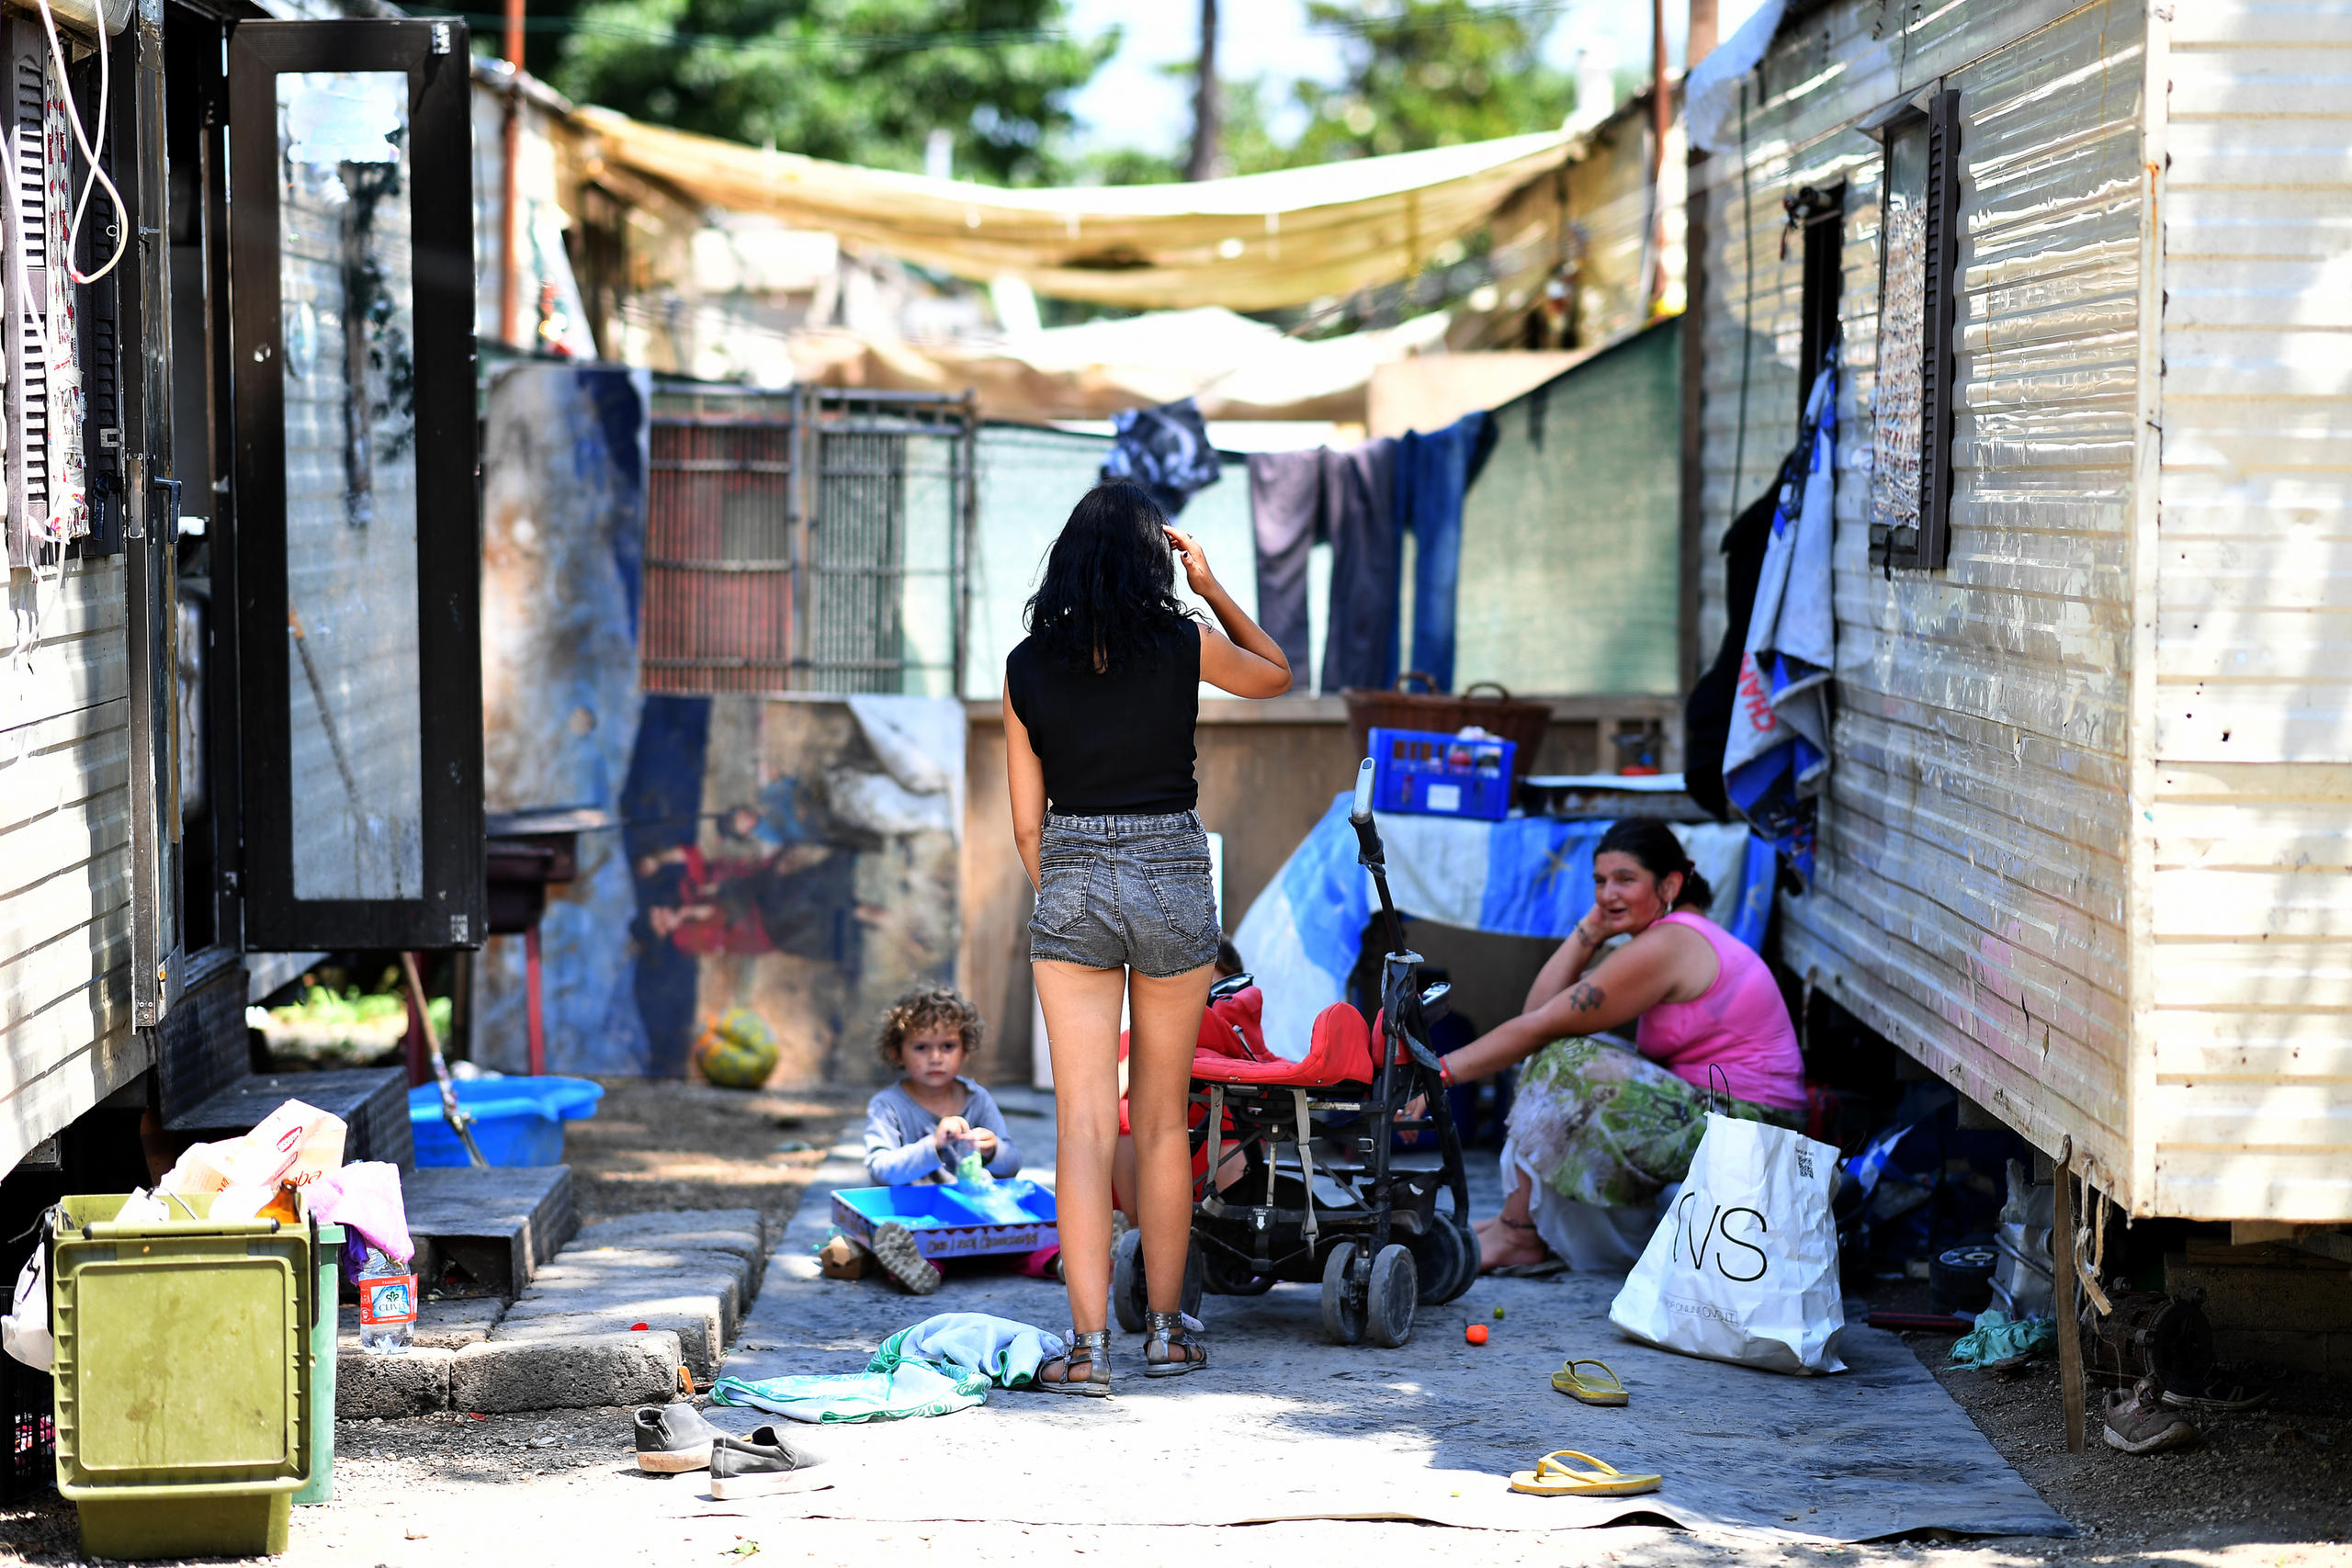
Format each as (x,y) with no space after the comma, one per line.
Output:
(909,1388)
(1997,1336)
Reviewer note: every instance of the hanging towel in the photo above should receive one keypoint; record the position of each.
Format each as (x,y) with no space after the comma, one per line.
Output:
(909,1389)
(1706,716)
(1166,450)
(1776,755)
(1286,516)
(1360,637)
(1433,471)
(1007,1353)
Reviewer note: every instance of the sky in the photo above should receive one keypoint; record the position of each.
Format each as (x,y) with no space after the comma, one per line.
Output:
(1133,103)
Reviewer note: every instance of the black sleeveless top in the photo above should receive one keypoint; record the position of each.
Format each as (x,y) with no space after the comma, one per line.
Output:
(1119,745)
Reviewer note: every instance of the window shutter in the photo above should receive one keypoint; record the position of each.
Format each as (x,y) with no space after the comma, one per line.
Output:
(1938,362)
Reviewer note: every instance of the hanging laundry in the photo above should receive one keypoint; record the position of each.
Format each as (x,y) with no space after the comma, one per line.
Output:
(1776,755)
(1360,637)
(1434,470)
(1286,517)
(1165,450)
(1707,715)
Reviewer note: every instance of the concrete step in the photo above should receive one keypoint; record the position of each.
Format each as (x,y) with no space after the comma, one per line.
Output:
(372,1102)
(488,1231)
(571,1339)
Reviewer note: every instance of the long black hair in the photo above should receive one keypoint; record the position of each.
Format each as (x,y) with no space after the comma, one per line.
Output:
(1653,843)
(1109,593)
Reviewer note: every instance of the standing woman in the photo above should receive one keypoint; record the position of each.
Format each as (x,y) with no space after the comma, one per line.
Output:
(1100,701)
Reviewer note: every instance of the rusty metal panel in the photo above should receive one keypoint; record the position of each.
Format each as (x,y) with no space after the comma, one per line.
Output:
(1973,893)
(718,552)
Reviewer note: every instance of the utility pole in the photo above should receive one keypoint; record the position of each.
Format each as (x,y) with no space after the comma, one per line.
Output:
(511,245)
(1202,165)
(1661,120)
(1692,520)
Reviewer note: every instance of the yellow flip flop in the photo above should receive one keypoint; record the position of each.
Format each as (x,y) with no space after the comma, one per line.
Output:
(1550,1478)
(1588,1390)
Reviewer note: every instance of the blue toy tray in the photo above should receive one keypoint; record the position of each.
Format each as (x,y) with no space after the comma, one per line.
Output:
(949,1222)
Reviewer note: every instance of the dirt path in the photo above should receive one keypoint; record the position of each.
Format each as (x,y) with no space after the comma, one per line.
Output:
(661,1144)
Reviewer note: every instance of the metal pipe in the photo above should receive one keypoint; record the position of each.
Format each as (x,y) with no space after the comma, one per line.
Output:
(1661,120)
(511,247)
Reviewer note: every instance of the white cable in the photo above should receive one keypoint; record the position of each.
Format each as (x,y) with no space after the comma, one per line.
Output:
(89,153)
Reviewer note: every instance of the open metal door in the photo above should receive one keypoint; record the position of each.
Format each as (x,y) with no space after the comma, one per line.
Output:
(351,260)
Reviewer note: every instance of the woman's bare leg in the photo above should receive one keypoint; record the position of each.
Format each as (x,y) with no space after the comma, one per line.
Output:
(1164,1025)
(1509,1237)
(1081,1008)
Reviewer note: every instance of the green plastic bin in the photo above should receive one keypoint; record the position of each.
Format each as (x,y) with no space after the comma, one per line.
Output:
(184,1378)
(320,1488)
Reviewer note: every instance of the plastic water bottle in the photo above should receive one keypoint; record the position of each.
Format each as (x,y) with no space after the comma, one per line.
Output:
(387,1305)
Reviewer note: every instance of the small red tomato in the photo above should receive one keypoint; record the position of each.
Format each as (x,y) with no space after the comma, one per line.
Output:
(1475,1333)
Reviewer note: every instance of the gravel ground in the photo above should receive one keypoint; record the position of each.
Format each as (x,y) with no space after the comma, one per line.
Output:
(2271,1489)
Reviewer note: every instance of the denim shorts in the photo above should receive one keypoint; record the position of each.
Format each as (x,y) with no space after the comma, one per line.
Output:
(1126,891)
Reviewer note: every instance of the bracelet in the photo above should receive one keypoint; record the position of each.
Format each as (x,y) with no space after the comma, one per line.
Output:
(1445,1071)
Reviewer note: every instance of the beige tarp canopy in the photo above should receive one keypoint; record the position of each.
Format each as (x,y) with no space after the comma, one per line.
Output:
(1238,368)
(1255,242)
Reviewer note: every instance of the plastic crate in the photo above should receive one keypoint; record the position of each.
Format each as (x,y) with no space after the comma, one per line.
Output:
(945,1222)
(1425,773)
(183,1370)
(27,1405)
(517,1121)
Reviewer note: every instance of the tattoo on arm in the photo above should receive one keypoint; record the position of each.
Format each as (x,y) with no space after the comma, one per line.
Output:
(1587,996)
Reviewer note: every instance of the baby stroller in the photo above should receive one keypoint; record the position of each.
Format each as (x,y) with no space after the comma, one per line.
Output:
(1296,1176)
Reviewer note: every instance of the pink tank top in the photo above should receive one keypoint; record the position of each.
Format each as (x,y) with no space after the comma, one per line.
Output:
(1739,1025)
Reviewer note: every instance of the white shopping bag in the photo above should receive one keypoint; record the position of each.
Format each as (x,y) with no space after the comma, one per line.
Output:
(1743,1267)
(24,1330)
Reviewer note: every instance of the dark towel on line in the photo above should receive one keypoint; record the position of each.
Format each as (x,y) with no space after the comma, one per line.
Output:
(1287,515)
(1360,639)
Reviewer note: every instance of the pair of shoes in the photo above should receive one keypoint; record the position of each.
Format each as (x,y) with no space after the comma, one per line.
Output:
(674,1438)
(2142,1423)
(1173,1344)
(895,1250)
(1090,1351)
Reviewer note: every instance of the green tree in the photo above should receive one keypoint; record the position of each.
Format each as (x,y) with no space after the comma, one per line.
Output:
(1420,73)
(860,81)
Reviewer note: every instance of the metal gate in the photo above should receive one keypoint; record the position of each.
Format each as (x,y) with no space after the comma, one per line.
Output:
(809,540)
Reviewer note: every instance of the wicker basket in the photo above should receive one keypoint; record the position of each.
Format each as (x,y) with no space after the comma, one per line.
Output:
(1442,713)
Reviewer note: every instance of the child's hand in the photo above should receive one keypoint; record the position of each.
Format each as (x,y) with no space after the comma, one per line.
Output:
(984,1143)
(949,1127)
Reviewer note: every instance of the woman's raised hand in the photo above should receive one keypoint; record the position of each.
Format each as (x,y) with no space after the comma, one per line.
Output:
(1197,574)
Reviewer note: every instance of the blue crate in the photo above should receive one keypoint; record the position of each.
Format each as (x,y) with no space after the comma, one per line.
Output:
(1430,774)
(1014,1215)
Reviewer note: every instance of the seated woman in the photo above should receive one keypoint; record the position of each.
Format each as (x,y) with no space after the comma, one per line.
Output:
(1598,1125)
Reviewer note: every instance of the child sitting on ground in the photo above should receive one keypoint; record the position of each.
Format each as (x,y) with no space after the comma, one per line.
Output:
(912,1128)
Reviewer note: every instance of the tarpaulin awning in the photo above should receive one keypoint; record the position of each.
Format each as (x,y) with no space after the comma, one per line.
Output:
(1252,243)
(1235,367)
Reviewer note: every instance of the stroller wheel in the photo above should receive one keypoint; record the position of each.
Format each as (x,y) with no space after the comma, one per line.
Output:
(1128,1299)
(1392,1296)
(1447,1259)
(1342,1298)
(1130,1292)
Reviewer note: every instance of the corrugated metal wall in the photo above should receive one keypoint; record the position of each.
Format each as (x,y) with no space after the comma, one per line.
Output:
(1970,899)
(65,1035)
(2250,1016)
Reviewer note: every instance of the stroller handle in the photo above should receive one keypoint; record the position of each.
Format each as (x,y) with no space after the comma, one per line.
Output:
(1362,812)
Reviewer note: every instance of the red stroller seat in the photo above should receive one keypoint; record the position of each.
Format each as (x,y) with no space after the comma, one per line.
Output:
(1339,1051)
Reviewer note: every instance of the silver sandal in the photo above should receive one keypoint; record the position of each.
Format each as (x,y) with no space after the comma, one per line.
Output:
(1172,1346)
(1091,1350)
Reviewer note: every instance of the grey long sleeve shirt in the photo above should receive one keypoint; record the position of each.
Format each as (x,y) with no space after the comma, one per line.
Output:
(896,1128)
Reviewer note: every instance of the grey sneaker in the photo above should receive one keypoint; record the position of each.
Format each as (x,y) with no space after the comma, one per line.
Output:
(2142,1425)
(895,1250)
(672,1439)
(762,1464)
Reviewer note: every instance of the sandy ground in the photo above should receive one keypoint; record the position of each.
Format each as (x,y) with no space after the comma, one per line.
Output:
(2273,1488)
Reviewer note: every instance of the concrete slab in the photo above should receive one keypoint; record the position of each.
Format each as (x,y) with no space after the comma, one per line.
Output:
(619,1271)
(495,1228)
(577,1371)
(693,1321)
(742,1232)
(413,1384)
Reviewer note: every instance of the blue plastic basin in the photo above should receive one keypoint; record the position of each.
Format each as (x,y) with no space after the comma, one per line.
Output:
(517,1121)
(1013,1216)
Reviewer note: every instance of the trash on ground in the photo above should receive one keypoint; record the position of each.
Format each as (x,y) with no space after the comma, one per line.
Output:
(1997,1336)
